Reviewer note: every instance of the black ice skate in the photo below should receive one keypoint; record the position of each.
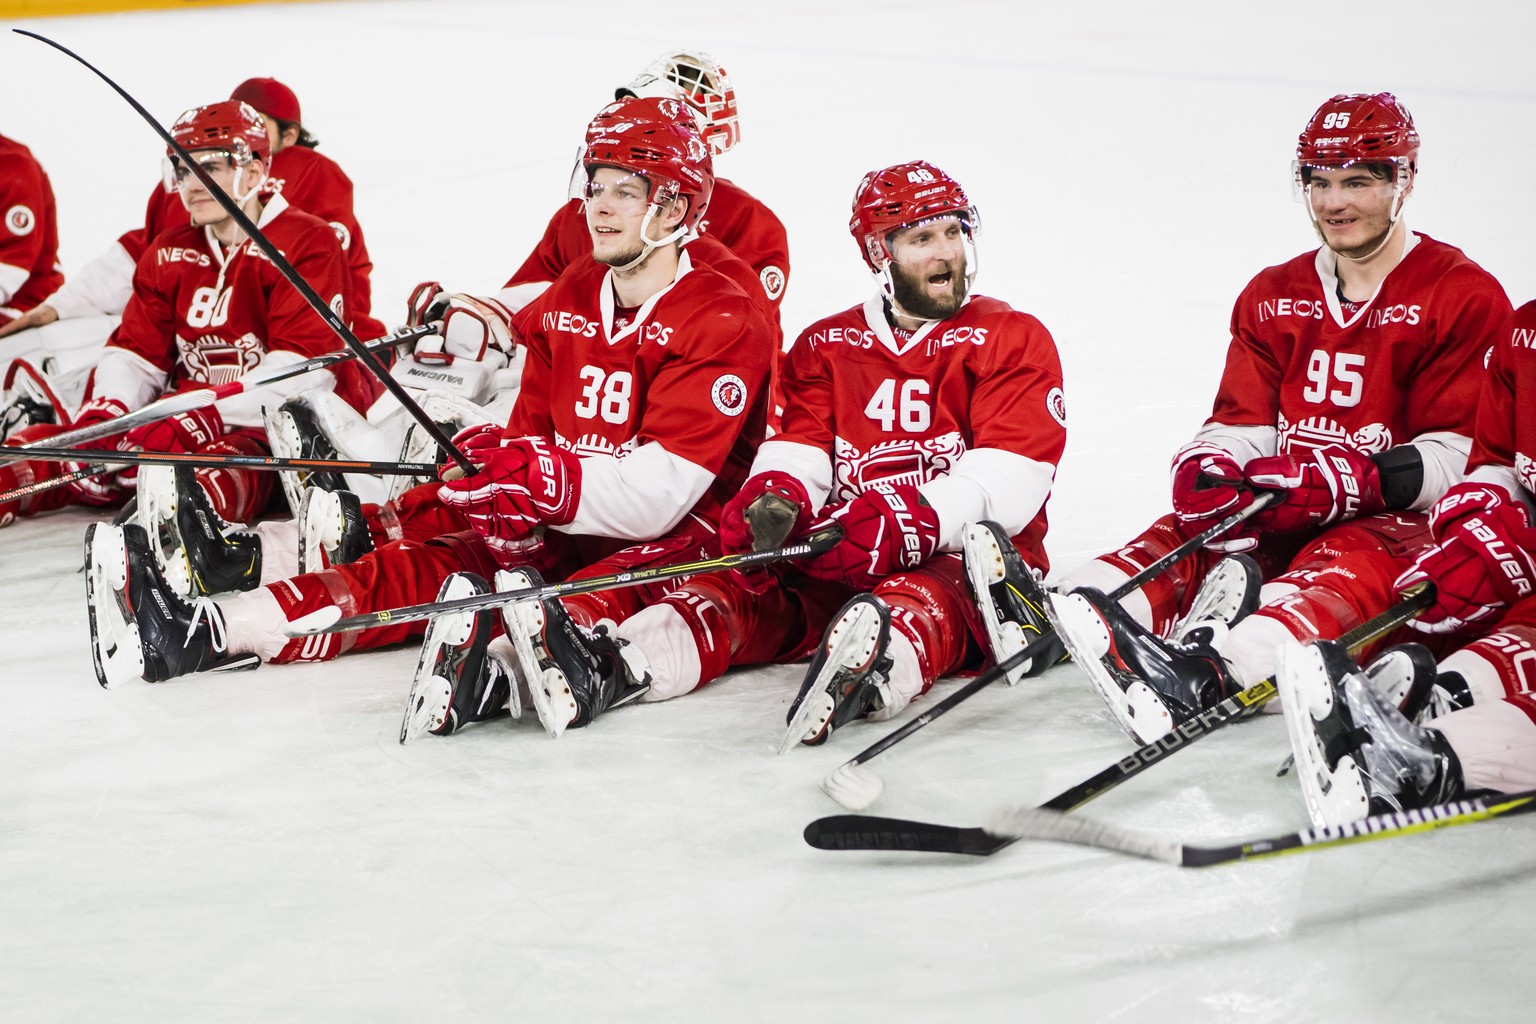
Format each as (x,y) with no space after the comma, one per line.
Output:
(293,432)
(458,679)
(844,679)
(332,530)
(1150,685)
(573,675)
(196,550)
(1356,754)
(140,627)
(1009,598)
(1228,594)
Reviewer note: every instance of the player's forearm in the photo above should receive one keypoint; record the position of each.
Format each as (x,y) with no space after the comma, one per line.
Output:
(637,498)
(1242,442)
(988,484)
(11,280)
(807,463)
(127,377)
(100,288)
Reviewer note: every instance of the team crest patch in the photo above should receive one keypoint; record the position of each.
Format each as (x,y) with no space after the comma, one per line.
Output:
(729,394)
(1527,471)
(773,282)
(20,220)
(1056,405)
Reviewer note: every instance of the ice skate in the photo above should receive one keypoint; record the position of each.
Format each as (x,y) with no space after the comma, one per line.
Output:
(458,678)
(196,550)
(332,530)
(140,627)
(294,432)
(844,679)
(1228,594)
(1356,754)
(573,675)
(1009,598)
(1150,685)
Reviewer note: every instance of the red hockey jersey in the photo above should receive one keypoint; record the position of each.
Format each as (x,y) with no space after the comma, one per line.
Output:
(29,231)
(1504,448)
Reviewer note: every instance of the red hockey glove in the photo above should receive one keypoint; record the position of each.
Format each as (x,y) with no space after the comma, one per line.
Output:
(525,483)
(1464,501)
(1483,565)
(1206,488)
(747,514)
(1321,487)
(885,529)
(472,439)
(189,431)
(104,488)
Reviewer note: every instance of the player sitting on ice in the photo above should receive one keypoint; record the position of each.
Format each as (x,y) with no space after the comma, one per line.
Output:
(1351,387)
(469,374)
(909,416)
(74,320)
(207,308)
(644,400)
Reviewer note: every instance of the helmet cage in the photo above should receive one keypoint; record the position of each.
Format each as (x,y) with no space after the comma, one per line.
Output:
(698,80)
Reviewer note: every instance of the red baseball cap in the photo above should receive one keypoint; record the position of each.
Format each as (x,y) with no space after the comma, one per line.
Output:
(269,96)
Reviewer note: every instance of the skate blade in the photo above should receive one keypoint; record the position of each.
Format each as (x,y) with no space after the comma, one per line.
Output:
(158,507)
(1333,796)
(851,645)
(1086,637)
(984,569)
(426,707)
(552,699)
(116,652)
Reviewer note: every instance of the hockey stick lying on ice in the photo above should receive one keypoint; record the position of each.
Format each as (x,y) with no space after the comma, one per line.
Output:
(329,315)
(106,459)
(860,832)
(856,788)
(199,398)
(815,544)
(1041,823)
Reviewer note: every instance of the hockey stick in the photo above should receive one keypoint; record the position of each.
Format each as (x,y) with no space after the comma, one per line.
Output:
(58,481)
(198,398)
(857,788)
(235,460)
(858,832)
(332,320)
(1040,823)
(815,544)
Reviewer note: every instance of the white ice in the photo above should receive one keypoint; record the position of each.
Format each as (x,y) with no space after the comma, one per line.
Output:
(258,847)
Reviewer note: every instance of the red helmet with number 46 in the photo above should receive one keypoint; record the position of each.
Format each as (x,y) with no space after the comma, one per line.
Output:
(671,157)
(1359,128)
(230,125)
(899,197)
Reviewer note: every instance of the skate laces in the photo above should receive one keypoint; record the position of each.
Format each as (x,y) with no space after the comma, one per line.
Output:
(204,609)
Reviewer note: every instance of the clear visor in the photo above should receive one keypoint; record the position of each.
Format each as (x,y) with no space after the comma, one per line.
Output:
(926,239)
(1307,185)
(628,194)
(214,162)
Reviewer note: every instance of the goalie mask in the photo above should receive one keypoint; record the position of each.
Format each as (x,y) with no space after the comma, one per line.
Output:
(697,79)
(901,197)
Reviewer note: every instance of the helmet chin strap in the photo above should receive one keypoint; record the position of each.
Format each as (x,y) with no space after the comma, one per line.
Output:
(646,245)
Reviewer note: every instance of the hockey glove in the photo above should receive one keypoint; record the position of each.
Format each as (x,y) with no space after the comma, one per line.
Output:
(473,440)
(471,329)
(525,483)
(755,511)
(1482,565)
(1207,487)
(189,431)
(1463,501)
(1321,487)
(103,488)
(886,529)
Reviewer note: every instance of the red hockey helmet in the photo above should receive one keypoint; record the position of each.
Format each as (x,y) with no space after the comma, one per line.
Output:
(1357,128)
(230,125)
(670,156)
(697,79)
(638,108)
(899,197)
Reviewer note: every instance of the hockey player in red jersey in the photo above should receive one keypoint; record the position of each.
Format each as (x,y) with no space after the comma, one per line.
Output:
(307,179)
(29,233)
(208,307)
(645,400)
(910,416)
(1477,729)
(1350,387)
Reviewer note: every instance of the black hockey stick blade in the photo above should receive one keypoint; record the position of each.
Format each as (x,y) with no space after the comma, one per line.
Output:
(868,832)
(319,305)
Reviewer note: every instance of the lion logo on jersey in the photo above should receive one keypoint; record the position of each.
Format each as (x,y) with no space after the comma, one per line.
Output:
(902,461)
(20,220)
(213,360)
(1527,471)
(1319,431)
(729,393)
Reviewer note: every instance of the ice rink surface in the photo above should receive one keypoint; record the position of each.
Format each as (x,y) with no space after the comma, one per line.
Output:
(257,847)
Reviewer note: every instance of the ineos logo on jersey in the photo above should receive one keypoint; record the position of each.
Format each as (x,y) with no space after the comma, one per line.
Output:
(657,333)
(177,254)
(729,393)
(20,220)
(957,336)
(1398,314)
(1308,308)
(570,323)
(854,336)
(1522,337)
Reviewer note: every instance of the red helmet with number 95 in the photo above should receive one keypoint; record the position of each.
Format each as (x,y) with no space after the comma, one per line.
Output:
(899,197)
